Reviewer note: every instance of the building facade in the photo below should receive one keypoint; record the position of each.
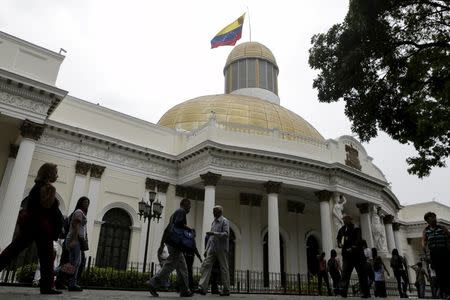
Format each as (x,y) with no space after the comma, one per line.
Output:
(283,186)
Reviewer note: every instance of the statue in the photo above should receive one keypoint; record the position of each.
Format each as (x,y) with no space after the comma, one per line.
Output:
(338,211)
(378,232)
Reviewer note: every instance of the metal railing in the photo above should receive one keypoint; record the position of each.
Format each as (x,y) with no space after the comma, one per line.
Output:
(131,277)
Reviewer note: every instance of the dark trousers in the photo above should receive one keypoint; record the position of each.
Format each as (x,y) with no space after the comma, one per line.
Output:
(336,277)
(440,261)
(323,275)
(189,263)
(402,281)
(380,289)
(360,265)
(42,236)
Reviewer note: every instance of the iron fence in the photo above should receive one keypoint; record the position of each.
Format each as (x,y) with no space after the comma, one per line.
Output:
(131,277)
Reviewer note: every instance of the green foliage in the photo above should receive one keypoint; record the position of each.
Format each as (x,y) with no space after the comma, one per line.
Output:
(25,274)
(389,61)
(110,277)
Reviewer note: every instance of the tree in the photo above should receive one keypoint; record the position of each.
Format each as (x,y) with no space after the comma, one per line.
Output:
(389,60)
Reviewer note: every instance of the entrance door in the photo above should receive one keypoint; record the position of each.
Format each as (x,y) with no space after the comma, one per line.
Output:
(312,250)
(114,241)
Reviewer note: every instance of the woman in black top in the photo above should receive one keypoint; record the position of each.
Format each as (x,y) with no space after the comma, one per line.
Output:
(40,221)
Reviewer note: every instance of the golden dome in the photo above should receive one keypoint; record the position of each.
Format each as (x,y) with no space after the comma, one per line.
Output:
(250,50)
(237,109)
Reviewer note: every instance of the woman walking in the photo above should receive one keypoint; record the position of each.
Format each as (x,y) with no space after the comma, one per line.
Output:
(76,240)
(378,270)
(40,221)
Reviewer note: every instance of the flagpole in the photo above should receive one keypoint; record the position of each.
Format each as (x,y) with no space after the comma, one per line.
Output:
(249,25)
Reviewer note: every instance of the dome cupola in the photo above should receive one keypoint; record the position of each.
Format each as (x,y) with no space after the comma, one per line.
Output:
(251,70)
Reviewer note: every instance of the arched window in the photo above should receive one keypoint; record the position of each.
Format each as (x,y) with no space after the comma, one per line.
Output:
(312,250)
(114,241)
(266,259)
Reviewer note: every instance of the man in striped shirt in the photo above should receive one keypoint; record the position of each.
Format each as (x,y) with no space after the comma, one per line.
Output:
(436,237)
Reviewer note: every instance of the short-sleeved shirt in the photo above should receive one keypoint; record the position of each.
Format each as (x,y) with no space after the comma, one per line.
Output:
(219,241)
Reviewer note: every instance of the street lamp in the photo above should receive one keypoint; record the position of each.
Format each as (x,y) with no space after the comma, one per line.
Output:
(150,211)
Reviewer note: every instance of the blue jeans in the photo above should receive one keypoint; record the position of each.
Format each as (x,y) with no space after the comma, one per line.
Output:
(75,260)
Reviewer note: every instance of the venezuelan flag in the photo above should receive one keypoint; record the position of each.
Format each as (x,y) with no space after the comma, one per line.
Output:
(229,35)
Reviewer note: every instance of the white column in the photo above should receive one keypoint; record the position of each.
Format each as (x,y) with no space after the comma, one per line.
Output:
(245,234)
(81,170)
(208,205)
(93,195)
(366,224)
(389,232)
(273,230)
(209,180)
(8,170)
(325,221)
(398,237)
(14,191)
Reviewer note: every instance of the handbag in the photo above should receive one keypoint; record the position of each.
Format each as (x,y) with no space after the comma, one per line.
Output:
(181,238)
(68,268)
(84,246)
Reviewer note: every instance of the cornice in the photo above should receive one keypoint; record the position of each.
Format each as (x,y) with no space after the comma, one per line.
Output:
(31,89)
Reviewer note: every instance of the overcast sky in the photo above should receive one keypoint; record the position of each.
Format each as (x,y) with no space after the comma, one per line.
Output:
(143,57)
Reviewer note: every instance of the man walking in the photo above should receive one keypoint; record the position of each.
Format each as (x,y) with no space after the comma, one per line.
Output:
(436,238)
(216,249)
(352,256)
(175,260)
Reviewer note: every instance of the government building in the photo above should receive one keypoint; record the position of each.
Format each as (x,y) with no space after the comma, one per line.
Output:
(283,186)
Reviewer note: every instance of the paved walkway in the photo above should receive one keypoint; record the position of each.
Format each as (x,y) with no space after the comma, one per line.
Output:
(20,293)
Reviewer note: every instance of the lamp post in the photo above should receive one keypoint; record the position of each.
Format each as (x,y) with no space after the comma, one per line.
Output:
(149,210)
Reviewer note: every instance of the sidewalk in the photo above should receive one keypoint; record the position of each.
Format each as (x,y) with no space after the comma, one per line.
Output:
(20,293)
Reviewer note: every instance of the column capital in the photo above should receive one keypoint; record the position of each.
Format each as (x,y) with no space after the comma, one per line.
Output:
(13,149)
(210,179)
(272,187)
(323,195)
(364,208)
(162,186)
(97,171)
(82,168)
(396,226)
(180,191)
(32,130)
(150,184)
(388,219)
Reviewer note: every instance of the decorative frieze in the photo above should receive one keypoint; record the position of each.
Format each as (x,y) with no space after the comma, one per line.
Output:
(272,187)
(210,179)
(97,171)
(13,149)
(82,168)
(31,130)
(109,156)
(26,104)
